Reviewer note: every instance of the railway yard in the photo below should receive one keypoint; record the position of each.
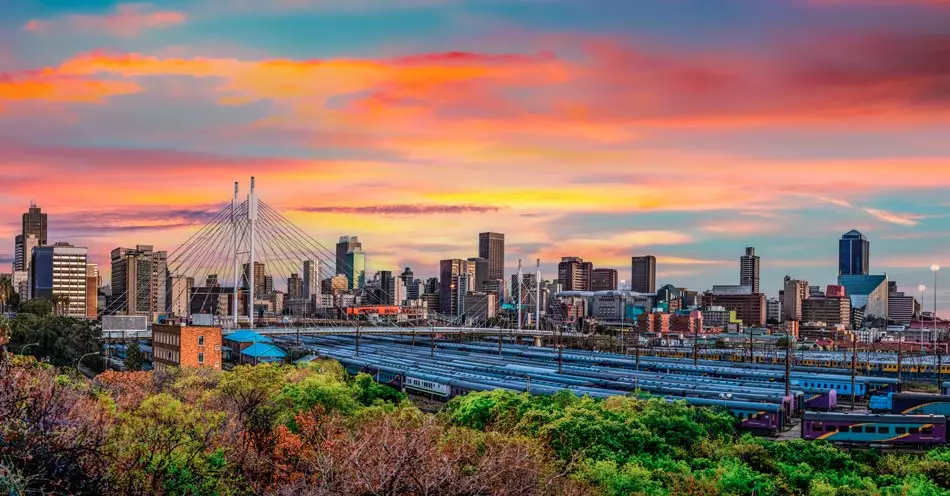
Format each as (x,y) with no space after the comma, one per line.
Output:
(830,403)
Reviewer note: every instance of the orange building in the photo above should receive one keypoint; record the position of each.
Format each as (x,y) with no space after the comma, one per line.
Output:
(654,322)
(185,346)
(373,310)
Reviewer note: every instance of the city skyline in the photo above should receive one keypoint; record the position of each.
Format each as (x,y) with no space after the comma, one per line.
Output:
(439,121)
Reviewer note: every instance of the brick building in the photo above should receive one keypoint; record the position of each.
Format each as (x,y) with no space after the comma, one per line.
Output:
(185,346)
(654,322)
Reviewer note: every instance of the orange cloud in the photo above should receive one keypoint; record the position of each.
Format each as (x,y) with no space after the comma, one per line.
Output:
(53,86)
(128,19)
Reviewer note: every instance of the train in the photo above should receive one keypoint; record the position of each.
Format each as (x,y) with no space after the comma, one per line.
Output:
(876,430)
(910,404)
(753,416)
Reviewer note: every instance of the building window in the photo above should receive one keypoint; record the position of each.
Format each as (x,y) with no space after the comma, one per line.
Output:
(201,340)
(201,358)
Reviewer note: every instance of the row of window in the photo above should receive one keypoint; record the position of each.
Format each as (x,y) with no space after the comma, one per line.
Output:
(171,356)
(752,416)
(870,429)
(825,385)
(165,338)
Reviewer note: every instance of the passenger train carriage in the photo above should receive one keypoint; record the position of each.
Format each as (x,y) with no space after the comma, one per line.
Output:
(860,429)
(911,404)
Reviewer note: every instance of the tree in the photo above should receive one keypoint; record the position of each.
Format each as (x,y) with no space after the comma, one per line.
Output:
(134,358)
(63,339)
(167,447)
(52,431)
(6,293)
(36,306)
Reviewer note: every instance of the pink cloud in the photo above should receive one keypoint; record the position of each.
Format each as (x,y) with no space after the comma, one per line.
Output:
(128,19)
(908,220)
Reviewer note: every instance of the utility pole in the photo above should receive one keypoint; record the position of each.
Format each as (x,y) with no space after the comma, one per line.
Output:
(695,345)
(854,364)
(357,337)
(537,298)
(788,363)
(900,355)
(520,286)
(638,346)
(751,347)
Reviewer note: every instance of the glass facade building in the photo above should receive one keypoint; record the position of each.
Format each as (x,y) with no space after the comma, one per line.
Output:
(854,251)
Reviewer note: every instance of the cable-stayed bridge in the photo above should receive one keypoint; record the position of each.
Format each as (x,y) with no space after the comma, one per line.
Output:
(251,267)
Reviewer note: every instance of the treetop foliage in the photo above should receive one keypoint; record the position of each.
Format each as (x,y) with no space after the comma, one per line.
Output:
(313,430)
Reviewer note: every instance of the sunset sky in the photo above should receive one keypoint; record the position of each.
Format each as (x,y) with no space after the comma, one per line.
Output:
(687,129)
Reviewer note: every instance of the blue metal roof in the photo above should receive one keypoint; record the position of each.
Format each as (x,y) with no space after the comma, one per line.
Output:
(264,351)
(247,336)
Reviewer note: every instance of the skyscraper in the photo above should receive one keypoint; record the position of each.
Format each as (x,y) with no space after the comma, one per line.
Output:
(643,274)
(139,279)
(311,279)
(491,246)
(749,269)
(854,252)
(294,287)
(355,264)
(604,280)
(260,279)
(343,247)
(34,222)
(59,275)
(23,251)
(574,273)
(455,279)
(18,258)
(794,294)
(481,272)
(407,277)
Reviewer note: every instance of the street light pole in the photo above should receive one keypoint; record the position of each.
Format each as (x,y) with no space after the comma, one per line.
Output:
(84,356)
(936,268)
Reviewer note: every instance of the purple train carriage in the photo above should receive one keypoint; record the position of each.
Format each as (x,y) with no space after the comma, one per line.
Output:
(862,429)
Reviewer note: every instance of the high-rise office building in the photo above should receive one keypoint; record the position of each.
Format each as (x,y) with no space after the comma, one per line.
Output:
(604,280)
(355,263)
(749,269)
(294,287)
(407,277)
(643,274)
(431,285)
(311,279)
(139,281)
(34,222)
(794,294)
(854,252)
(574,273)
(481,272)
(23,250)
(456,278)
(59,275)
(18,254)
(260,278)
(491,246)
(179,290)
(343,247)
